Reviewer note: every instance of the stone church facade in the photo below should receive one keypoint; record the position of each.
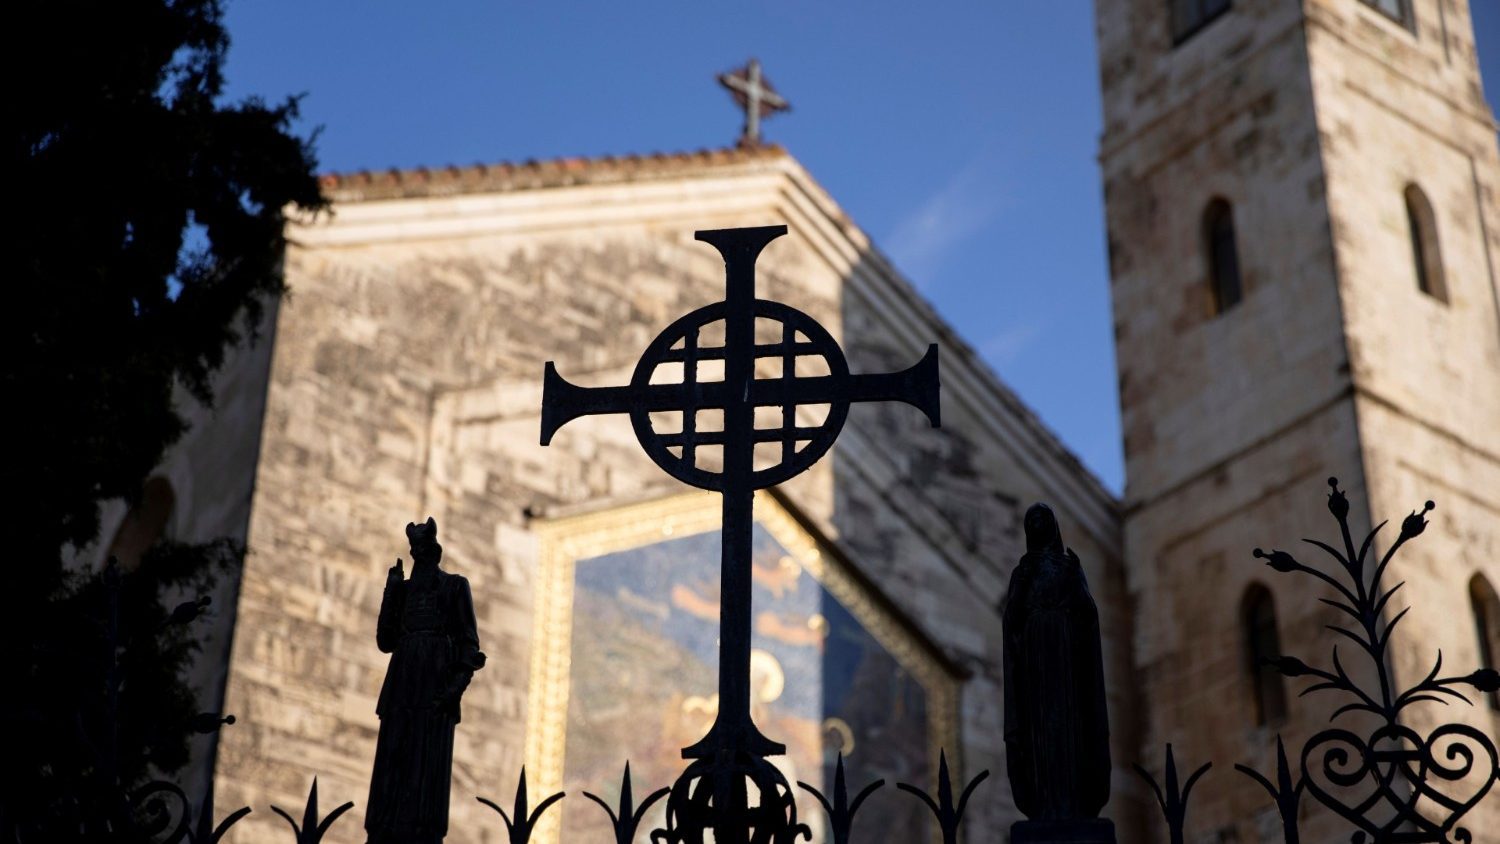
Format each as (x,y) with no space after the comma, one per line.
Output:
(1344,146)
(405,381)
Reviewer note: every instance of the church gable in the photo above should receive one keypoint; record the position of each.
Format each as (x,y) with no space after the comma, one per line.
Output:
(406,383)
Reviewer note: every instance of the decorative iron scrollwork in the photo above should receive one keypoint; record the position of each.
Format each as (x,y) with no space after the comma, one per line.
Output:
(1392,784)
(1389,784)
(159,802)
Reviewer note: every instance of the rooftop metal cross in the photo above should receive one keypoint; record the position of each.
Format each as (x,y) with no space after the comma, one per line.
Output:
(756,96)
(734,748)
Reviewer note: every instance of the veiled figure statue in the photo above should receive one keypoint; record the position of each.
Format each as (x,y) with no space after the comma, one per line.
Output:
(427,626)
(1056,723)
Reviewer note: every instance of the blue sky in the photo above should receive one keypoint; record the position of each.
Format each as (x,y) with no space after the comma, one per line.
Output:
(961,135)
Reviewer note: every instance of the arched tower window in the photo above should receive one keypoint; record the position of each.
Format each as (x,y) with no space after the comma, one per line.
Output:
(145,524)
(1263,642)
(1422,226)
(1397,10)
(1487,620)
(1189,16)
(1223,255)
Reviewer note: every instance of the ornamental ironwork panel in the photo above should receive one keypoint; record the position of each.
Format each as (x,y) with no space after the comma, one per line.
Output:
(1389,783)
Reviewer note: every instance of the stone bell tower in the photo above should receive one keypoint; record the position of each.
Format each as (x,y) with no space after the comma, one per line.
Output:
(1304,234)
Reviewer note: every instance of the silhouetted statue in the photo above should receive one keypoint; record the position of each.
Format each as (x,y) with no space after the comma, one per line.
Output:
(427,626)
(1056,723)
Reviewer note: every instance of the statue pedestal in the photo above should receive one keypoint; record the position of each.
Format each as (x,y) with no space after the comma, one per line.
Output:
(1096,831)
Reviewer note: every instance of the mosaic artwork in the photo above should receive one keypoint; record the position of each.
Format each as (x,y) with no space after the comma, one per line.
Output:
(644,665)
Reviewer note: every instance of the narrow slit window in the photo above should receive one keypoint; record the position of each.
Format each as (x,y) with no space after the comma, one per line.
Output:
(1427,261)
(1262,643)
(1223,255)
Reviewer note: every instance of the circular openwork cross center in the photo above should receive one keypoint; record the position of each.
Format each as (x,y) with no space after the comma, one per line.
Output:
(770,813)
(777,413)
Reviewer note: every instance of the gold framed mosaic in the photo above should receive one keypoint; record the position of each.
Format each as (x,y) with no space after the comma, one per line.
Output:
(623,660)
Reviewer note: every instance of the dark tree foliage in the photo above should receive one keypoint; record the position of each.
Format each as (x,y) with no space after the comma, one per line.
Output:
(146,231)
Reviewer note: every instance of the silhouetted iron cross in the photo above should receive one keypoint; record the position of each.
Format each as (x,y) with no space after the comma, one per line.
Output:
(738,395)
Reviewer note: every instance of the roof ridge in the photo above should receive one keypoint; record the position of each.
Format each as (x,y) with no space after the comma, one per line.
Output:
(414,181)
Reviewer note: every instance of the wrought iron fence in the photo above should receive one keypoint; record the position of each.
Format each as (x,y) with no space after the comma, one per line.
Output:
(1390,785)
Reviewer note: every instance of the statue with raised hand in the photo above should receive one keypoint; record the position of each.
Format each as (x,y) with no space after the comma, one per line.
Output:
(427,626)
(1056,722)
